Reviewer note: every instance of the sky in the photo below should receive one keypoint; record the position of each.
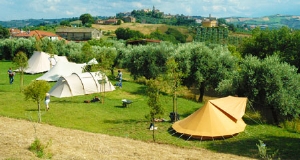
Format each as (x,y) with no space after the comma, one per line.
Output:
(56,9)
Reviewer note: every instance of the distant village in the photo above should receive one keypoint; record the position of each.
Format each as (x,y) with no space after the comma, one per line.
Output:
(128,18)
(75,33)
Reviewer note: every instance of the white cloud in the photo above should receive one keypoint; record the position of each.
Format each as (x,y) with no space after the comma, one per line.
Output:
(69,13)
(138,5)
(219,8)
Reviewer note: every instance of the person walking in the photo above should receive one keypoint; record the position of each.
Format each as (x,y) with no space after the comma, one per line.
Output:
(119,77)
(47,101)
(11,75)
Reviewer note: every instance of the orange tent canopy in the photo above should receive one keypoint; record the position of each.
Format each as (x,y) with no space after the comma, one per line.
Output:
(217,118)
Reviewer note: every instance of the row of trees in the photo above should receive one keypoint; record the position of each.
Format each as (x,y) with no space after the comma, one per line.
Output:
(268,82)
(283,42)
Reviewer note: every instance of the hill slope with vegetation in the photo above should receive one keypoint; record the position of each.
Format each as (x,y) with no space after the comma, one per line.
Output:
(273,21)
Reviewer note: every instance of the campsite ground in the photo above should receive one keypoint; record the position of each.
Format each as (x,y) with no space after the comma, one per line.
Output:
(17,135)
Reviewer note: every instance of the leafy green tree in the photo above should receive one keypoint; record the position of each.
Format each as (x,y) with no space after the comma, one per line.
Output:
(119,22)
(36,91)
(25,45)
(156,109)
(74,51)
(208,66)
(105,57)
(127,33)
(4,33)
(87,52)
(177,34)
(271,86)
(86,18)
(283,42)
(65,23)
(7,49)
(172,81)
(21,62)
(148,61)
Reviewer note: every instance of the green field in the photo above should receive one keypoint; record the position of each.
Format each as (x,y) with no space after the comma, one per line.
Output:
(112,118)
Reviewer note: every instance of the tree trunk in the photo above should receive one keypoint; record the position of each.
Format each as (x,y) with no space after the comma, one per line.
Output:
(275,118)
(21,81)
(39,112)
(153,133)
(112,70)
(175,106)
(201,90)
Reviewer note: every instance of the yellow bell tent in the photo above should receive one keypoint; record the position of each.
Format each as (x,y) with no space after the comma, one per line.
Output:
(218,118)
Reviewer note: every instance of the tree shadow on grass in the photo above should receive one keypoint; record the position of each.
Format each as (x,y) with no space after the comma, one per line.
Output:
(121,106)
(118,121)
(288,147)
(35,110)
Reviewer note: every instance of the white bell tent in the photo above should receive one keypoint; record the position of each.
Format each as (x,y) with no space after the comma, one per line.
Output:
(62,68)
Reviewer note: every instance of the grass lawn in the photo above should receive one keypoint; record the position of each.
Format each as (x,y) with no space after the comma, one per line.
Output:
(112,118)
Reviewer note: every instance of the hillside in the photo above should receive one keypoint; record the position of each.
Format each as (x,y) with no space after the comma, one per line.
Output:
(273,21)
(143,28)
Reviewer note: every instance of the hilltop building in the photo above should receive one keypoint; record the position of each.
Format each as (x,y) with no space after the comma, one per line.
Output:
(210,22)
(78,34)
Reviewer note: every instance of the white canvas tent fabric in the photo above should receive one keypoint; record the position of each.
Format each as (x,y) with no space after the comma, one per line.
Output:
(92,61)
(79,84)
(38,63)
(53,60)
(62,68)
(218,118)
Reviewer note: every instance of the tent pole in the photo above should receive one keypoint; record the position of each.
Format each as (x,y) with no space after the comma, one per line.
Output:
(181,135)
(201,139)
(223,137)
(189,137)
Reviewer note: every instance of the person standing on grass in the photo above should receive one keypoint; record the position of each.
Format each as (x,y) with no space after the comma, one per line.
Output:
(47,101)
(119,77)
(11,75)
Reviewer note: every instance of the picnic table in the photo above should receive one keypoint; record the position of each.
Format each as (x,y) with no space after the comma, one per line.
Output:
(126,102)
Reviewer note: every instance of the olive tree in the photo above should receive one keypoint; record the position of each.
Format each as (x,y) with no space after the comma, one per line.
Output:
(36,91)
(148,61)
(207,66)
(273,87)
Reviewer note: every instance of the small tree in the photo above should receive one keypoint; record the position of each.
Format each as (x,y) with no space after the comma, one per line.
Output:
(86,18)
(36,91)
(156,109)
(21,62)
(172,80)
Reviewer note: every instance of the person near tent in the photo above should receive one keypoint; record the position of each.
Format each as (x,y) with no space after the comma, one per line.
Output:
(119,77)
(11,75)
(47,101)
(95,99)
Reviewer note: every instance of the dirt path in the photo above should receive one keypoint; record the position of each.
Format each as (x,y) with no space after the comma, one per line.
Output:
(17,135)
